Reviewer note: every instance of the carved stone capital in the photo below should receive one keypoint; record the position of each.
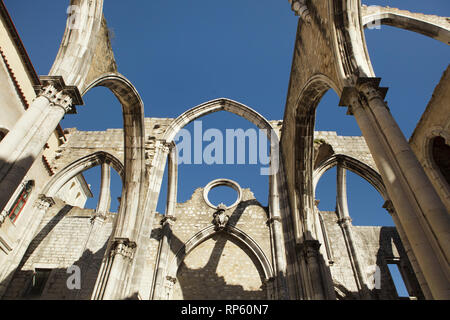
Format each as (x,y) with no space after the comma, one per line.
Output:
(350,98)
(345,221)
(3,215)
(58,93)
(301,9)
(123,247)
(309,248)
(43,202)
(272,220)
(168,219)
(370,88)
(389,206)
(164,146)
(267,282)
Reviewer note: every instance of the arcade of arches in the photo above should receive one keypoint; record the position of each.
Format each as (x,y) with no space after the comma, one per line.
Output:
(288,249)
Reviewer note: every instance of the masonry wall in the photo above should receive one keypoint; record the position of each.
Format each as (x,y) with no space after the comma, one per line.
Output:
(220,267)
(435,122)
(377,247)
(59,244)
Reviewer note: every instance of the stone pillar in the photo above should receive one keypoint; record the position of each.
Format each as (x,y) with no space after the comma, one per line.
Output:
(412,258)
(163,258)
(40,207)
(276,227)
(431,209)
(309,249)
(167,222)
(91,246)
(429,258)
(112,281)
(23,144)
(104,199)
(345,223)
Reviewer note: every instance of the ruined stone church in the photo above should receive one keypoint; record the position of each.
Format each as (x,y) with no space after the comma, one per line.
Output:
(197,250)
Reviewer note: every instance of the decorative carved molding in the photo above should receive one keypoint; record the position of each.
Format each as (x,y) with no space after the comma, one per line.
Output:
(301,9)
(58,93)
(345,221)
(220,219)
(43,202)
(168,219)
(3,216)
(123,247)
(272,220)
(309,248)
(389,206)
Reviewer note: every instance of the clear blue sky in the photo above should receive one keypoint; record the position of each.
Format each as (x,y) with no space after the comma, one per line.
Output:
(179,54)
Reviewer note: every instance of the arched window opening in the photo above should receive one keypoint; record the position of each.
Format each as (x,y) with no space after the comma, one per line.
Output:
(397,279)
(93,178)
(220,145)
(365,203)
(20,201)
(326,191)
(441,156)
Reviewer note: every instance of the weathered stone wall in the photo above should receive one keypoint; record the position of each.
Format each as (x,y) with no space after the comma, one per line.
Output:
(220,267)
(351,146)
(377,246)
(82,143)
(60,243)
(435,122)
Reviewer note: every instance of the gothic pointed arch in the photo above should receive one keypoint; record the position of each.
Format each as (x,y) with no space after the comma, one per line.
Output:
(428,25)
(207,233)
(78,166)
(354,165)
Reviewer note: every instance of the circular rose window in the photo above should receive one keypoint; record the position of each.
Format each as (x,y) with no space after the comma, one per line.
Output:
(222,183)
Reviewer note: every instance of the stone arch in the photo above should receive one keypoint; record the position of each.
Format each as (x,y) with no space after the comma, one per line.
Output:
(427,158)
(207,233)
(221,104)
(85,51)
(354,165)
(167,146)
(77,167)
(305,113)
(428,25)
(134,164)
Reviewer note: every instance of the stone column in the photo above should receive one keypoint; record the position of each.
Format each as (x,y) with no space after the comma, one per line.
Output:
(430,261)
(345,223)
(276,227)
(309,249)
(167,222)
(111,283)
(412,258)
(23,144)
(431,209)
(40,207)
(163,257)
(104,199)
